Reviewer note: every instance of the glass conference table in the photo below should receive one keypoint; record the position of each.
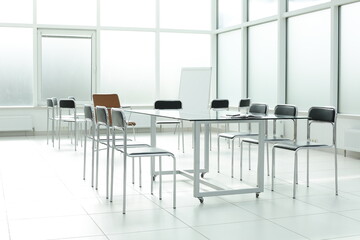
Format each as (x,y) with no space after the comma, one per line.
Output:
(206,118)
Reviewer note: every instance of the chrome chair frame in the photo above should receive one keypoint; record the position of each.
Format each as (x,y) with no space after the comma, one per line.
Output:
(316,115)
(279,110)
(120,124)
(255,108)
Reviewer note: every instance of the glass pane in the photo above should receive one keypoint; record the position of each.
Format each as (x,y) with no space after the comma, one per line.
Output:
(16,67)
(230,13)
(263,63)
(262,8)
(11,12)
(128,66)
(178,50)
(125,13)
(185,14)
(349,59)
(297,4)
(229,67)
(66,12)
(66,68)
(309,60)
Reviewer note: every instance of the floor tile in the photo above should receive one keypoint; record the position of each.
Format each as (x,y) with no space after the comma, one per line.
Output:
(173,234)
(204,214)
(321,226)
(280,208)
(147,220)
(53,228)
(253,230)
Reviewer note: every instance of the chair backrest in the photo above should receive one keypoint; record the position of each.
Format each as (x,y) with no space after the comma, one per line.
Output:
(67,103)
(219,103)
(107,100)
(102,115)
(55,101)
(88,112)
(119,118)
(258,108)
(168,104)
(244,102)
(322,114)
(285,110)
(49,102)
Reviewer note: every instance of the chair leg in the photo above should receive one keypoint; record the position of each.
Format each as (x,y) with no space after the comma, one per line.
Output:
(182,133)
(124,185)
(107,163)
(210,133)
(59,132)
(249,156)
(307,167)
(97,161)
(133,170)
(295,174)
(112,170)
(241,159)
(92,160)
(84,167)
(160,179)
(232,158)
(174,183)
(273,169)
(336,172)
(218,154)
(53,132)
(47,128)
(268,164)
(140,184)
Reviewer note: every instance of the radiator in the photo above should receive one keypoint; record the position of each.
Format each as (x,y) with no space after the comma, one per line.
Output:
(16,123)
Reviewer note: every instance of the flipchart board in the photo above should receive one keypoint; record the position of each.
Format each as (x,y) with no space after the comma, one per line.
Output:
(194,91)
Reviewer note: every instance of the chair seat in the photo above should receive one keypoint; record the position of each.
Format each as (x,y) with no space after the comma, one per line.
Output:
(146,152)
(168,122)
(293,146)
(272,139)
(232,135)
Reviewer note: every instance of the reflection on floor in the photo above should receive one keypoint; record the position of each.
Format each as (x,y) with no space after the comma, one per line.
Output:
(43,196)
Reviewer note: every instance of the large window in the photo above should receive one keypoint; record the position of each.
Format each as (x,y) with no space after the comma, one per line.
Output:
(262,70)
(309,60)
(128,65)
(185,14)
(350,59)
(178,50)
(262,8)
(16,67)
(297,4)
(125,13)
(10,12)
(66,12)
(230,66)
(229,13)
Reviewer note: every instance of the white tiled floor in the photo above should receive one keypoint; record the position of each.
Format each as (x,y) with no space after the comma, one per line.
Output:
(43,196)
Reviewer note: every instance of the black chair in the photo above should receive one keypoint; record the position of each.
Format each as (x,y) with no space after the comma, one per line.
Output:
(218,104)
(255,108)
(120,124)
(169,105)
(279,110)
(324,115)
(70,118)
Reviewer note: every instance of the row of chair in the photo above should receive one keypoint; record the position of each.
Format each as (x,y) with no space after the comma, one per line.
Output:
(128,148)
(322,115)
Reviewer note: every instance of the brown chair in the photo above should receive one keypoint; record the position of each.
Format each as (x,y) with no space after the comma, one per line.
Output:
(110,101)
